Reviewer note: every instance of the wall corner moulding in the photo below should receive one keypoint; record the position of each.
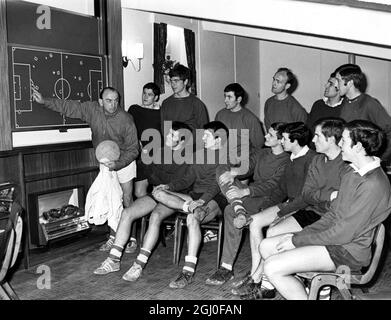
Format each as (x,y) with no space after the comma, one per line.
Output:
(310,18)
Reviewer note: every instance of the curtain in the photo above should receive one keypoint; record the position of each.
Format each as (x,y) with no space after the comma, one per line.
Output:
(190,54)
(159,53)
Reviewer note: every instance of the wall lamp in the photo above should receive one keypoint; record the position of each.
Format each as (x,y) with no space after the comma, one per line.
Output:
(131,52)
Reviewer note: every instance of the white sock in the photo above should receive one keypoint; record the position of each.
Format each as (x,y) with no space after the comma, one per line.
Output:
(226,266)
(185,206)
(266,283)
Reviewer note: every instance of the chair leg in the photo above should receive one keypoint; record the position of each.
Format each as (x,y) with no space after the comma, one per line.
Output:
(219,241)
(9,291)
(344,289)
(180,241)
(177,232)
(162,234)
(319,281)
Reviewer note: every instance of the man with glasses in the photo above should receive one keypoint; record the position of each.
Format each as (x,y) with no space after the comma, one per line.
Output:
(183,105)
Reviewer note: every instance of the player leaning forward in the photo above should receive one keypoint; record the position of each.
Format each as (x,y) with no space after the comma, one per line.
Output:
(108,121)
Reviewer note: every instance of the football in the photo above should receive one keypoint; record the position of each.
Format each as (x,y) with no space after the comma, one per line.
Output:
(107,150)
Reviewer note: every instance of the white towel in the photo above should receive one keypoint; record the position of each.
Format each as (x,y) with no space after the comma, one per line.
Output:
(104,199)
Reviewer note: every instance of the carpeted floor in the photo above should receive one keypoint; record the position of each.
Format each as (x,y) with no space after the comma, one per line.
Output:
(71,277)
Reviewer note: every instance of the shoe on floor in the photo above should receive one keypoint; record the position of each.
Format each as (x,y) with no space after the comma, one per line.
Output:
(242,286)
(240,281)
(133,273)
(131,247)
(184,279)
(107,245)
(242,220)
(220,277)
(256,291)
(108,266)
(210,236)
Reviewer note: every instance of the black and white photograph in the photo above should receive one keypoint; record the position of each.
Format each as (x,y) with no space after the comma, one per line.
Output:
(196,159)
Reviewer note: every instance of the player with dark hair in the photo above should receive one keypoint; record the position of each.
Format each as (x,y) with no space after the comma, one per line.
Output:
(343,235)
(295,138)
(159,173)
(204,202)
(267,167)
(183,105)
(243,125)
(329,106)
(321,186)
(358,105)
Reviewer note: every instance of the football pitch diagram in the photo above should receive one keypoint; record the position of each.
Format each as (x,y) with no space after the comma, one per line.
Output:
(55,75)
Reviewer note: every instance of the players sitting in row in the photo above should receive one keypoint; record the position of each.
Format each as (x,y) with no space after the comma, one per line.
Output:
(343,235)
(322,182)
(190,188)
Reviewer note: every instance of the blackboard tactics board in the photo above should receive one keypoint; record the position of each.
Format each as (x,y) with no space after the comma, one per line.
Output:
(55,74)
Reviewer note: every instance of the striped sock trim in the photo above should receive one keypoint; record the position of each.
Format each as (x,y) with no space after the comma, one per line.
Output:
(142,260)
(190,264)
(239,209)
(191,259)
(237,202)
(143,257)
(118,247)
(145,252)
(116,252)
(227,266)
(189,269)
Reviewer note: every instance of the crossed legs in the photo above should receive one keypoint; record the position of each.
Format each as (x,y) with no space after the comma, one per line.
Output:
(193,221)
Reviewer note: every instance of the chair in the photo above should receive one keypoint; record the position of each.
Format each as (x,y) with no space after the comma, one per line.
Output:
(162,236)
(180,223)
(9,249)
(342,280)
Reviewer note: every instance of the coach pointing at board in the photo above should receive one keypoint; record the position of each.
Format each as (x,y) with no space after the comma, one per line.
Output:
(107,122)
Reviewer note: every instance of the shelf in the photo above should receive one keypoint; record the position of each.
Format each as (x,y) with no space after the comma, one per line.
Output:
(61,173)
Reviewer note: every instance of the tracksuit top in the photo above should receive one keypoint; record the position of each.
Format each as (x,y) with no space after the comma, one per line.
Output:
(118,127)
(363,202)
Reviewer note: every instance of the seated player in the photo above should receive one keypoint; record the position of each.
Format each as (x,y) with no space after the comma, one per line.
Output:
(343,236)
(267,167)
(159,173)
(320,188)
(295,137)
(204,202)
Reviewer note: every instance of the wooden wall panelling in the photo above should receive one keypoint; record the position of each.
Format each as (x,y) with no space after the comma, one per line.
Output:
(5,123)
(114,42)
(9,171)
(46,162)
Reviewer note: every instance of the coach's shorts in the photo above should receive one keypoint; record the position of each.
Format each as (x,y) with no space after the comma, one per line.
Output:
(127,173)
